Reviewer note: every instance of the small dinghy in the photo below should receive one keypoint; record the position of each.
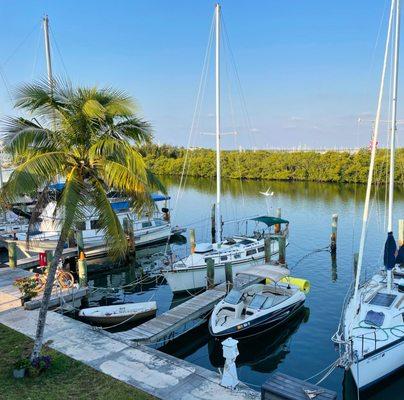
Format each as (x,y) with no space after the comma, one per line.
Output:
(116,314)
(258,306)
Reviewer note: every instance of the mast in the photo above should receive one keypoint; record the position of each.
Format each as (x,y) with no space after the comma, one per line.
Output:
(372,160)
(393,131)
(217,89)
(47,50)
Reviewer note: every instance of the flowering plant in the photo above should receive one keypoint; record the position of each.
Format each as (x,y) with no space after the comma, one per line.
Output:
(41,363)
(27,287)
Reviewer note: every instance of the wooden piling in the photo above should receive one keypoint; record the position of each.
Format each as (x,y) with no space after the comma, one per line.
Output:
(228,269)
(282,249)
(12,255)
(192,240)
(277,227)
(334,226)
(213,223)
(210,273)
(128,229)
(82,264)
(267,247)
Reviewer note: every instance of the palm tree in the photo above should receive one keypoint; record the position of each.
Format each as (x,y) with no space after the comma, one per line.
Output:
(88,137)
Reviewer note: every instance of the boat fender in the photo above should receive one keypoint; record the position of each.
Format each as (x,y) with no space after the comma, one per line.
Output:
(302,284)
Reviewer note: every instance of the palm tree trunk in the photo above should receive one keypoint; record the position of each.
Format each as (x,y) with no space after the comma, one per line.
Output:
(46,297)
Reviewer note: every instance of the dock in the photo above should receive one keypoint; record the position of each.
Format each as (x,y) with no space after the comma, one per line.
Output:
(10,294)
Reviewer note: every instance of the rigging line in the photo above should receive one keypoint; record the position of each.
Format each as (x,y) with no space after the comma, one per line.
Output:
(6,84)
(58,49)
(20,44)
(194,118)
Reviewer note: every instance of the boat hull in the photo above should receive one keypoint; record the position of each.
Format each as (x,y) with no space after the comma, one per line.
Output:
(117,319)
(266,322)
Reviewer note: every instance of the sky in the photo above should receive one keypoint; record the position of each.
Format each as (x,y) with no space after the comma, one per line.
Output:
(308,69)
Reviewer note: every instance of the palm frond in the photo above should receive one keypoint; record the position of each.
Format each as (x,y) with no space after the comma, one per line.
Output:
(135,129)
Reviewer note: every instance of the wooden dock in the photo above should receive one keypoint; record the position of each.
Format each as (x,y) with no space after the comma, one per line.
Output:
(164,326)
(10,294)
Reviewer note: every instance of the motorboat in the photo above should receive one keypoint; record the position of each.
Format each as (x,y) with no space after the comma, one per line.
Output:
(266,301)
(118,314)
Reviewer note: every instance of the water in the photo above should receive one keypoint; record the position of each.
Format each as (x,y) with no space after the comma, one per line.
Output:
(303,347)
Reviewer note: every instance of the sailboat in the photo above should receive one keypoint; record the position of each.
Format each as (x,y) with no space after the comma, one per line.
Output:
(370,336)
(189,273)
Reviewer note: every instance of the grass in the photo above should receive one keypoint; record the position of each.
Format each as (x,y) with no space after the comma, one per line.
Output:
(65,379)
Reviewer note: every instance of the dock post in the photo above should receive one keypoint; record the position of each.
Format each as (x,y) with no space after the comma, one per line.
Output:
(230,353)
(277,227)
(213,223)
(282,249)
(128,229)
(82,264)
(210,273)
(267,247)
(334,226)
(228,270)
(12,255)
(192,240)
(49,259)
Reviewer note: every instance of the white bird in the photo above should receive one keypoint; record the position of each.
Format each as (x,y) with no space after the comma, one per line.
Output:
(267,193)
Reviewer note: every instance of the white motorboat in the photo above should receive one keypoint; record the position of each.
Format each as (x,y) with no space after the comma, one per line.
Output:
(371,332)
(189,273)
(118,314)
(257,306)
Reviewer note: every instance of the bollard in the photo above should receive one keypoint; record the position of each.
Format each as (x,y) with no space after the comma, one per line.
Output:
(230,353)
(82,264)
(12,255)
(282,249)
(277,227)
(334,226)
(192,240)
(267,248)
(228,270)
(210,273)
(49,259)
(213,223)
(355,264)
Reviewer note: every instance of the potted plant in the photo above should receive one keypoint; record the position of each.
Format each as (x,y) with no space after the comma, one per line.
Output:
(20,368)
(27,288)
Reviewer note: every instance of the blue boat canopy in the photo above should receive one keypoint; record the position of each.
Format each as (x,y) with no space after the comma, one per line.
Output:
(269,221)
(159,197)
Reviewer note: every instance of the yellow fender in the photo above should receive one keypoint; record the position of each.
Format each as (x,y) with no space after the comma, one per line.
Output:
(302,284)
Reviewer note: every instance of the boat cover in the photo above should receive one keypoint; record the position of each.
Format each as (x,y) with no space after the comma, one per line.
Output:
(265,271)
(269,221)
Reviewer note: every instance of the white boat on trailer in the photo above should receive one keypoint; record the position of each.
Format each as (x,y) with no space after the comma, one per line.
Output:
(118,314)
(370,335)
(189,273)
(257,306)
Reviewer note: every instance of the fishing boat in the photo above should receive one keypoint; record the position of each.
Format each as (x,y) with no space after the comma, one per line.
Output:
(189,273)
(259,306)
(370,335)
(118,314)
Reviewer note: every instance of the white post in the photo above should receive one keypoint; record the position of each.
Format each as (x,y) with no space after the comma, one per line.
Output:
(218,170)
(372,160)
(47,50)
(393,131)
(230,353)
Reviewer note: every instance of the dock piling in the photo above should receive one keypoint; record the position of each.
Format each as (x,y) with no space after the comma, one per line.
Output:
(277,227)
(282,249)
(12,254)
(210,273)
(334,226)
(267,247)
(228,269)
(192,240)
(82,264)
(128,229)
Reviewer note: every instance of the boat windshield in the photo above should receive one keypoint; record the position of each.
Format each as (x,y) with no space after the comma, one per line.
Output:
(233,297)
(257,302)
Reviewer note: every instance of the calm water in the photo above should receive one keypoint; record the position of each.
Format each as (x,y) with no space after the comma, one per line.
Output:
(303,347)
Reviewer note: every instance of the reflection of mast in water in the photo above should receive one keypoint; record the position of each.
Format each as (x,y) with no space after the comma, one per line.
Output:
(272,349)
(334,272)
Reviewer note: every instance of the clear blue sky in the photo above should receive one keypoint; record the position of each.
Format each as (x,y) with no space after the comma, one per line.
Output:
(308,68)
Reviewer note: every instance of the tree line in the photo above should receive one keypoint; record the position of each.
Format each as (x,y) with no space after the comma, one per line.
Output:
(331,166)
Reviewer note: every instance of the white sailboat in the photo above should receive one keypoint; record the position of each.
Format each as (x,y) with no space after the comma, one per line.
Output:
(371,332)
(189,273)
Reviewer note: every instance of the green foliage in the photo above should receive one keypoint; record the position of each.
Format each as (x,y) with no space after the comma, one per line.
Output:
(330,166)
(27,287)
(90,138)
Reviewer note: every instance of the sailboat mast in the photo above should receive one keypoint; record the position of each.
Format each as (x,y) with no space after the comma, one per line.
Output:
(372,159)
(394,118)
(218,169)
(47,50)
